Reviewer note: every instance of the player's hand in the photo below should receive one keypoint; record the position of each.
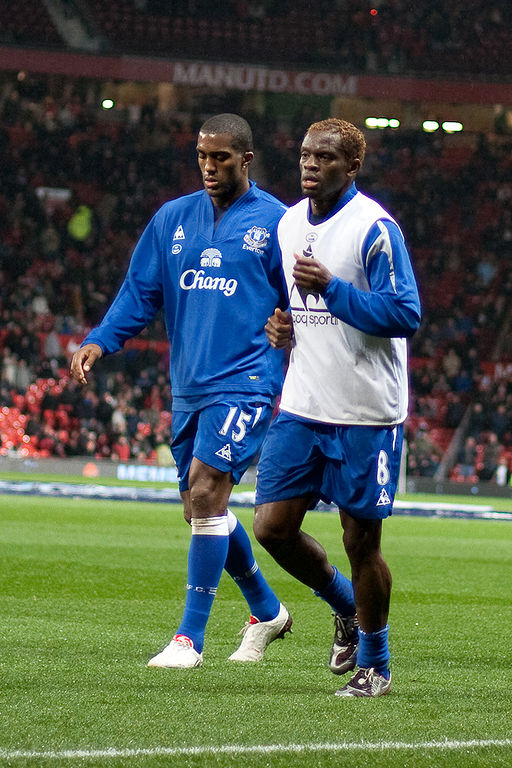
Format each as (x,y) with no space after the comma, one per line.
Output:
(310,274)
(279,329)
(83,360)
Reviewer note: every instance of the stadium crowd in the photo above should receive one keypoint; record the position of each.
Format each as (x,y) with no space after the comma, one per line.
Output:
(77,188)
(385,36)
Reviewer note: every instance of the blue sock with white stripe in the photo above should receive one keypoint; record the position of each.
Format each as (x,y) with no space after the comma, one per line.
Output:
(339,594)
(244,570)
(206,558)
(373,650)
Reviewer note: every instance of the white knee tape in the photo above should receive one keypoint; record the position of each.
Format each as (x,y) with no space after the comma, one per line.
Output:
(210,526)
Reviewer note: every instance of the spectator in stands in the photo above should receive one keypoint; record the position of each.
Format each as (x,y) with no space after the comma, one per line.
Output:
(121,449)
(451,365)
(500,421)
(455,410)
(502,471)
(8,365)
(491,455)
(467,458)
(477,420)
(423,455)
(52,347)
(23,377)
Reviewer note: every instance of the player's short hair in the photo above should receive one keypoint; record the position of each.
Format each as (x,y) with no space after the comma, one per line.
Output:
(233,125)
(351,139)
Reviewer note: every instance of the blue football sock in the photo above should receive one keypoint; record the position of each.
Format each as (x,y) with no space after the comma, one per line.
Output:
(373,650)
(244,570)
(339,594)
(206,558)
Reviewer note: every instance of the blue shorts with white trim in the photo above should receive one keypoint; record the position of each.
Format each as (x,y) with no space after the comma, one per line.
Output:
(226,435)
(356,467)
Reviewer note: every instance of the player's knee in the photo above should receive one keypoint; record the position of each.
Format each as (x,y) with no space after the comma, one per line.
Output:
(261,529)
(203,497)
(354,551)
(359,548)
(272,531)
(267,533)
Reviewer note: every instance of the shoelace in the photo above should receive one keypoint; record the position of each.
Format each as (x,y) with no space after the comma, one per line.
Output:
(252,621)
(341,630)
(365,674)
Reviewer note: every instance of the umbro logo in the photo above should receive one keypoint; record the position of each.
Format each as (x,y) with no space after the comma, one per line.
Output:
(383,498)
(224,452)
(179,234)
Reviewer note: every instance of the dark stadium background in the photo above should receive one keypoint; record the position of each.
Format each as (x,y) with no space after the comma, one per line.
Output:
(99,107)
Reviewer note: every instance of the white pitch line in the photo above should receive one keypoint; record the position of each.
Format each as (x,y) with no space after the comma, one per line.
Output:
(263,749)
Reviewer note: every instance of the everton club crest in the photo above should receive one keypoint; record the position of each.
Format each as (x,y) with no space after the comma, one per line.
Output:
(257,237)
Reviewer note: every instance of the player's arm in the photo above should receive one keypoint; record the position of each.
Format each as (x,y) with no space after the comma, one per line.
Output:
(279,326)
(139,298)
(391,308)
(276,272)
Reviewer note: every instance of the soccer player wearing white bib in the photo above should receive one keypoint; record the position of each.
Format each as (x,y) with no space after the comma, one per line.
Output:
(211,260)
(338,436)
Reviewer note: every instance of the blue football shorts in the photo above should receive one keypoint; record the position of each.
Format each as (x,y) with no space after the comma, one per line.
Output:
(356,467)
(225,435)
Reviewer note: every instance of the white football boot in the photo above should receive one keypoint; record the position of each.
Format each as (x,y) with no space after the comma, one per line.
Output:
(179,654)
(259,634)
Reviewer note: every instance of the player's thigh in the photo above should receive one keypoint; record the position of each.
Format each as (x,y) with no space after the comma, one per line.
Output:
(363,483)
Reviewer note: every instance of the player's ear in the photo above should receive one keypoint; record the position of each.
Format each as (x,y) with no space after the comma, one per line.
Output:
(354,168)
(247,159)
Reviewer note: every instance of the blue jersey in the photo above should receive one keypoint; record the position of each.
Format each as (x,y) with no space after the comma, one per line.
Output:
(217,286)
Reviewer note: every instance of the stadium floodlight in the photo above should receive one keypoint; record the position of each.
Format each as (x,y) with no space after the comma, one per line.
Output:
(107,104)
(430,126)
(381,122)
(452,126)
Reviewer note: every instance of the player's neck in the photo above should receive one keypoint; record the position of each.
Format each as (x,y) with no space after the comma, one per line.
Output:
(322,207)
(222,203)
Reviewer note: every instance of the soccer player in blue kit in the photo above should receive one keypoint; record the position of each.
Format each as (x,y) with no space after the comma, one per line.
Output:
(339,432)
(211,259)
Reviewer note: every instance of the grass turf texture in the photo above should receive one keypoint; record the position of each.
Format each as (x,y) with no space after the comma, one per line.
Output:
(90,590)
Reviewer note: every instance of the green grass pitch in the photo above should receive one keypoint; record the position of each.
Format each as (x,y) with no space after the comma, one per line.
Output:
(91,589)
